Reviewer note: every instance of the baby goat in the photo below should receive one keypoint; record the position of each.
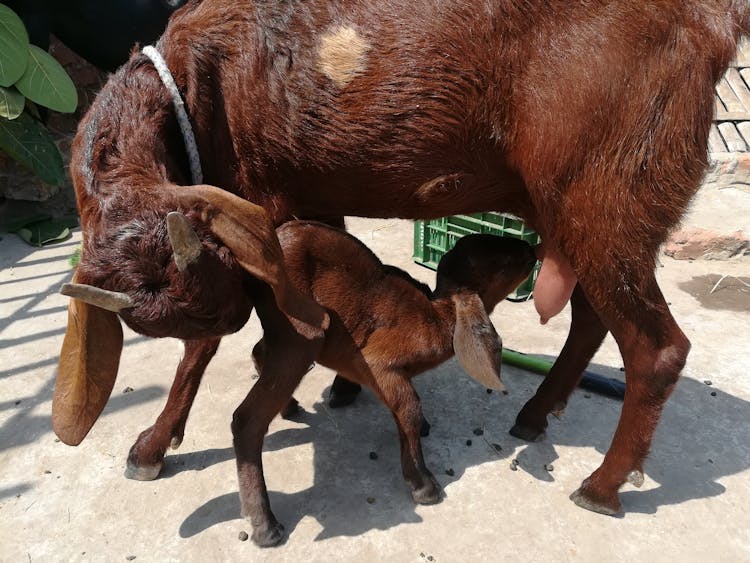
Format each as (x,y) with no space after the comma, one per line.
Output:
(385,328)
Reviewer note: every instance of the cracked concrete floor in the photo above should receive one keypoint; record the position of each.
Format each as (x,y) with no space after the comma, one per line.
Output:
(59,503)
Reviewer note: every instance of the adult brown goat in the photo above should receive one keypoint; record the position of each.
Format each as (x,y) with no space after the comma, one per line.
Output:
(587,118)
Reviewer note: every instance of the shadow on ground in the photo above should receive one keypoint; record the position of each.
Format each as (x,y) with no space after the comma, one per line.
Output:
(698,442)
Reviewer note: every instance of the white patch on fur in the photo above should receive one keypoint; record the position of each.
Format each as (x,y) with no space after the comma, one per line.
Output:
(342,55)
(132,229)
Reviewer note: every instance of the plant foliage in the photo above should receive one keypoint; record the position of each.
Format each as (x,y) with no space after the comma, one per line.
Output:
(28,76)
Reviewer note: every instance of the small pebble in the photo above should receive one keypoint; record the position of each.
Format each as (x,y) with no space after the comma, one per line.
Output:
(242,536)
(498,447)
(587,395)
(430,558)
(18,402)
(370,500)
(489,391)
(713,393)
(468,442)
(421,553)
(549,467)
(127,390)
(450,472)
(373,455)
(57,439)
(708,382)
(47,471)
(622,369)
(710,461)
(514,465)
(478,432)
(130,557)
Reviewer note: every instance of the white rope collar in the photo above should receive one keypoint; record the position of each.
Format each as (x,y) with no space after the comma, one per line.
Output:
(179,107)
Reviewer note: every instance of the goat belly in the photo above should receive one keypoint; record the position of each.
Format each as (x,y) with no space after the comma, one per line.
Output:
(553,286)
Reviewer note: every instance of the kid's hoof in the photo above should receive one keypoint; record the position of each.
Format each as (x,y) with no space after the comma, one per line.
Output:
(610,508)
(343,392)
(291,409)
(336,400)
(429,494)
(142,472)
(175,442)
(268,536)
(424,430)
(525,433)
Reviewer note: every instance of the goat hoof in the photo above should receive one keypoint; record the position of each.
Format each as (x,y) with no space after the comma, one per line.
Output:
(636,478)
(142,472)
(268,536)
(175,442)
(424,430)
(338,400)
(431,493)
(526,433)
(584,500)
(343,392)
(291,409)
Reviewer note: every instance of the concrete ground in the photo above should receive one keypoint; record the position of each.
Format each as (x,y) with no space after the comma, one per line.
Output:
(59,503)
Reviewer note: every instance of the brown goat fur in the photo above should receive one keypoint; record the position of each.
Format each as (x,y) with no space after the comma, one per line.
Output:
(385,328)
(589,119)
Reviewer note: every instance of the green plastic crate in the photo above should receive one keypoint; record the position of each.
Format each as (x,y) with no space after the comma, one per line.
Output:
(432,239)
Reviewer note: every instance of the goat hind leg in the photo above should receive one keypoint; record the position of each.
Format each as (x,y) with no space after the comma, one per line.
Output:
(146,456)
(584,338)
(401,397)
(654,350)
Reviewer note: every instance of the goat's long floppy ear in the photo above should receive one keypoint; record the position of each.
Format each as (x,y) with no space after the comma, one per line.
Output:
(477,345)
(87,370)
(247,231)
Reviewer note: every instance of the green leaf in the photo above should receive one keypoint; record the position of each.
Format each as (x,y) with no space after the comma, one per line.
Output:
(13,225)
(46,83)
(47,231)
(28,142)
(11,102)
(14,47)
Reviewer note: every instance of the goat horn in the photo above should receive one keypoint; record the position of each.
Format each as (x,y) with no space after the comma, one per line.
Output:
(185,243)
(102,298)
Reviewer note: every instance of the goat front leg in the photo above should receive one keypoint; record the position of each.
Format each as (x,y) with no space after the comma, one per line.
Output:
(283,358)
(401,398)
(146,456)
(584,338)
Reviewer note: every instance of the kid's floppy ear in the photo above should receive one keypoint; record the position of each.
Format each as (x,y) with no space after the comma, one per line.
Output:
(87,369)
(477,345)
(247,231)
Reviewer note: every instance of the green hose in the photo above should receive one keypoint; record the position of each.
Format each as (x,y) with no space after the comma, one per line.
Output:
(529,363)
(607,386)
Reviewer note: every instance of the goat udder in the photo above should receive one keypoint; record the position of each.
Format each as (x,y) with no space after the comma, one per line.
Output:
(554,285)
